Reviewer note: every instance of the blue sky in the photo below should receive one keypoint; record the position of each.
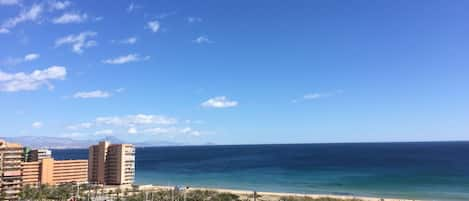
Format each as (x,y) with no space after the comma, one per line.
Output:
(235,72)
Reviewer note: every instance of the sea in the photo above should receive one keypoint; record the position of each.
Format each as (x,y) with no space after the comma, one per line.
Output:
(414,170)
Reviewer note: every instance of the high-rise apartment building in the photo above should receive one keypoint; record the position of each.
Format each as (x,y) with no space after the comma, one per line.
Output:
(52,172)
(111,164)
(11,155)
(39,154)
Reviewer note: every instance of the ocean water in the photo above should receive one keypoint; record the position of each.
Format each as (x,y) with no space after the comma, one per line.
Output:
(429,171)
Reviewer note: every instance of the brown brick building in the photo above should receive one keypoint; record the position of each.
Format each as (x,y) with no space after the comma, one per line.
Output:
(11,155)
(52,172)
(111,164)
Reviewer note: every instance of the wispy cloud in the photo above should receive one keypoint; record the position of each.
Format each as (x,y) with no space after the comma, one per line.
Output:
(11,61)
(78,41)
(92,94)
(126,59)
(68,18)
(136,124)
(9,2)
(315,96)
(163,15)
(128,121)
(84,125)
(219,102)
(37,124)
(202,40)
(172,131)
(104,132)
(132,7)
(154,26)
(190,131)
(193,19)
(32,14)
(132,131)
(59,5)
(31,57)
(97,19)
(119,90)
(29,82)
(129,41)
(4,30)
(138,119)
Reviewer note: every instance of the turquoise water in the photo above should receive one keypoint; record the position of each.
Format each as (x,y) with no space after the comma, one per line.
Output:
(431,171)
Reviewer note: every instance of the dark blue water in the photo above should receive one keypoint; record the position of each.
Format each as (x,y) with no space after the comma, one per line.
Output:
(431,171)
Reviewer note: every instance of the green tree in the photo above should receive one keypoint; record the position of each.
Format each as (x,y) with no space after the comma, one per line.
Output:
(118,192)
(110,193)
(2,195)
(225,197)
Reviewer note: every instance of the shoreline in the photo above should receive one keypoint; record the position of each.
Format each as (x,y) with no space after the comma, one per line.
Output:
(272,196)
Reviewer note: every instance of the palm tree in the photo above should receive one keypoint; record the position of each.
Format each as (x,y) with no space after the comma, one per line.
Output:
(25,193)
(101,191)
(42,192)
(118,191)
(2,195)
(135,188)
(95,191)
(110,192)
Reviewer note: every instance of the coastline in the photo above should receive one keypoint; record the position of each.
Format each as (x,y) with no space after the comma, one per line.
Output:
(273,196)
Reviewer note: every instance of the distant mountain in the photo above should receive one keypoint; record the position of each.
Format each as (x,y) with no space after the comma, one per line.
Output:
(68,143)
(49,142)
(157,144)
(113,140)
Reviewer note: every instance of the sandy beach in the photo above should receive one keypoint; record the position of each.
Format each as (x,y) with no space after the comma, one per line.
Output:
(272,196)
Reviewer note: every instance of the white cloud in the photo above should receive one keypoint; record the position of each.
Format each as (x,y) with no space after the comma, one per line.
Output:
(78,42)
(190,131)
(132,131)
(4,30)
(97,19)
(154,26)
(219,102)
(128,121)
(120,90)
(138,119)
(32,14)
(126,59)
(9,2)
(136,124)
(68,18)
(11,61)
(131,7)
(312,96)
(315,96)
(37,124)
(59,5)
(92,94)
(28,82)
(202,39)
(172,131)
(193,19)
(104,132)
(85,125)
(188,121)
(157,130)
(130,40)
(31,56)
